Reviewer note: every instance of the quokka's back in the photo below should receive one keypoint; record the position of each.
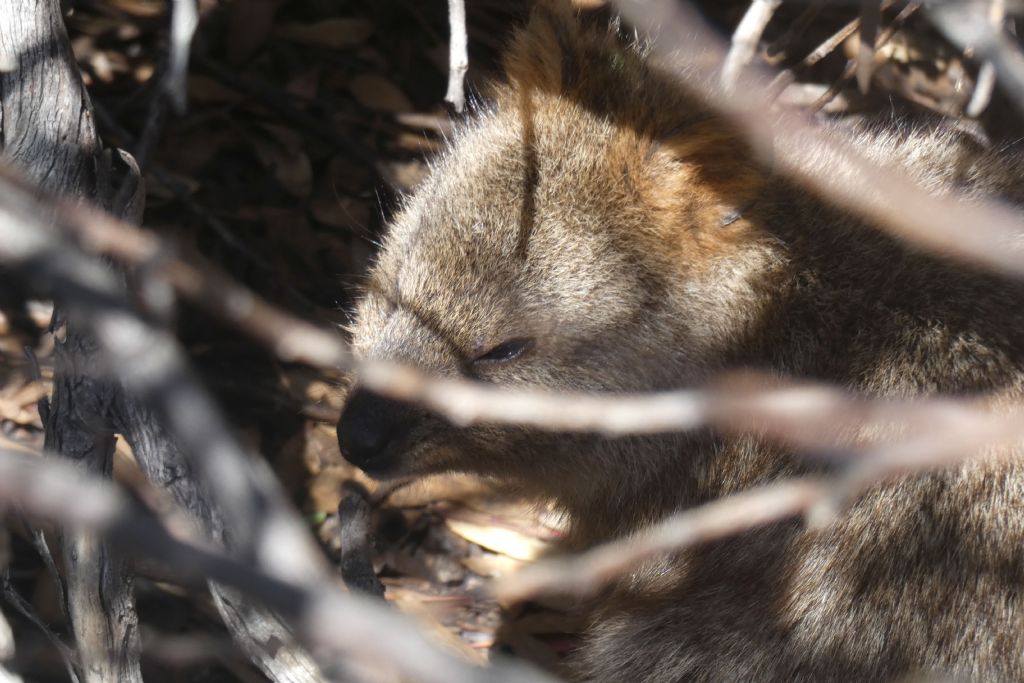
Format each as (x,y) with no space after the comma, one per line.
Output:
(595,229)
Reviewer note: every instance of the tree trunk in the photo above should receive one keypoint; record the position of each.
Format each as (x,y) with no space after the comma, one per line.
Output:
(48,131)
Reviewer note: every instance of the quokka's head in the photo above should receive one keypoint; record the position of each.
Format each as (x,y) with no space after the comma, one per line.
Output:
(575,237)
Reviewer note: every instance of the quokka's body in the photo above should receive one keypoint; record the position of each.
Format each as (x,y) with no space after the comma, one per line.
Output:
(595,230)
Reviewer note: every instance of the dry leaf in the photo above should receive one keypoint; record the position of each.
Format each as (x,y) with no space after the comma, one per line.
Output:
(336,34)
(437,123)
(441,487)
(427,609)
(403,175)
(376,92)
(519,516)
(157,190)
(527,647)
(323,392)
(140,8)
(417,143)
(492,565)
(248,25)
(206,90)
(504,541)
(285,159)
(325,486)
(143,72)
(306,83)
(189,153)
(339,212)
(41,313)
(288,137)
(10,444)
(344,175)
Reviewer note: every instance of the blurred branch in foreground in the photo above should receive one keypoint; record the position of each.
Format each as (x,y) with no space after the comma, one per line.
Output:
(937,431)
(745,39)
(324,617)
(979,27)
(983,89)
(939,443)
(464,402)
(689,48)
(265,530)
(259,521)
(786,411)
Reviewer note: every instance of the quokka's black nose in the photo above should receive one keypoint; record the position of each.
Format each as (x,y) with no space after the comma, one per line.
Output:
(372,428)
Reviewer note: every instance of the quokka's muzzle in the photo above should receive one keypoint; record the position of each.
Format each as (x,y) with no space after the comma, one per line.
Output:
(373,431)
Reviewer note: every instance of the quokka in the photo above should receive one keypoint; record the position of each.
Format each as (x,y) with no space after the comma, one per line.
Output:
(595,229)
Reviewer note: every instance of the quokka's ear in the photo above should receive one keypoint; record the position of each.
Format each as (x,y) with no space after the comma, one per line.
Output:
(578,56)
(710,163)
(545,54)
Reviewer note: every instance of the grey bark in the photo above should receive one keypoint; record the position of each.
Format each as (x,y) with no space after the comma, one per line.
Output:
(48,131)
(261,634)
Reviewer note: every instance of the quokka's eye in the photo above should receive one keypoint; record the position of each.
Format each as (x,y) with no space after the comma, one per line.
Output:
(505,351)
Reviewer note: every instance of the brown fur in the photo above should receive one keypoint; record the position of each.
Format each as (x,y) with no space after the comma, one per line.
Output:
(588,209)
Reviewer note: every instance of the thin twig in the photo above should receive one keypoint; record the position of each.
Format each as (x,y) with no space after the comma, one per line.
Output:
(870,19)
(836,39)
(19,603)
(458,57)
(151,128)
(983,89)
(184,19)
(776,52)
(42,547)
(587,572)
(852,66)
(801,150)
(968,25)
(940,444)
(787,76)
(745,39)
(986,82)
(463,402)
